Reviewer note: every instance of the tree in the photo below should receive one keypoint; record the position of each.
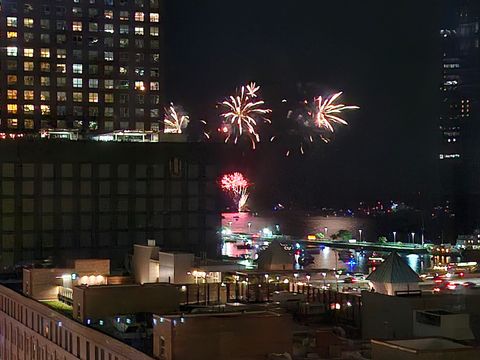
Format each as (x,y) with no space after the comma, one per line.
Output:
(342,235)
(382,239)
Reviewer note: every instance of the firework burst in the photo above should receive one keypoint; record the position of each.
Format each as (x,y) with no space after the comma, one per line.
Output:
(326,111)
(236,185)
(176,119)
(313,120)
(243,113)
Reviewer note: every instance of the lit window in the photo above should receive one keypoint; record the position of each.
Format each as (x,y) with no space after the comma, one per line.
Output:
(123,42)
(109,28)
(93,83)
(154,31)
(93,97)
(45,109)
(123,29)
(154,85)
(29,124)
(77,26)
(28,52)
(123,70)
(45,95)
(28,22)
(123,15)
(28,66)
(45,80)
(154,17)
(139,16)
(61,68)
(108,14)
(139,85)
(12,123)
(61,96)
(77,68)
(108,84)
(77,97)
(28,95)
(44,52)
(77,82)
(93,27)
(28,108)
(139,30)
(12,108)
(12,21)
(76,11)
(12,51)
(11,65)
(12,94)
(61,53)
(45,67)
(28,80)
(11,79)
(11,34)
(109,98)
(108,55)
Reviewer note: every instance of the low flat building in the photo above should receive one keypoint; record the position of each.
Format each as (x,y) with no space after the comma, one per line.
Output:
(91,303)
(442,323)
(422,349)
(232,336)
(57,283)
(32,330)
(151,265)
(393,317)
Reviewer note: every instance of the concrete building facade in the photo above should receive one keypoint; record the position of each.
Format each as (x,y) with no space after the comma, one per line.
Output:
(64,200)
(32,330)
(233,336)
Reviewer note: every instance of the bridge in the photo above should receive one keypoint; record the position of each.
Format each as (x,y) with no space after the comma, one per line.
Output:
(362,245)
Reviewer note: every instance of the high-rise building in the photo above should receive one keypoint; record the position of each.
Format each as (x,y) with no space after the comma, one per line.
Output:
(86,64)
(75,199)
(459,154)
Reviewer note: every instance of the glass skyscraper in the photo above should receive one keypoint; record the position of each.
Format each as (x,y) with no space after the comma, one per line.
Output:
(92,65)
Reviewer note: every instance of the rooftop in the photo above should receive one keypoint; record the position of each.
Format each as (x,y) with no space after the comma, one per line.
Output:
(394,270)
(222,314)
(426,344)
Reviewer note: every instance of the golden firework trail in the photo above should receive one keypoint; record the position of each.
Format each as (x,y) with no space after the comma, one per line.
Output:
(326,111)
(175,120)
(243,111)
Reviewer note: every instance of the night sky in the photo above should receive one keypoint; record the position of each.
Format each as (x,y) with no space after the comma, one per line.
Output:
(384,55)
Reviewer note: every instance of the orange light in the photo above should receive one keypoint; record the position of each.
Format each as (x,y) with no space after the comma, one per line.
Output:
(311,237)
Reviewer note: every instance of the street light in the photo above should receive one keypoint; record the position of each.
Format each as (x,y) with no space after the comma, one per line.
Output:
(394,236)
(324,283)
(360,232)
(249,224)
(413,238)
(326,231)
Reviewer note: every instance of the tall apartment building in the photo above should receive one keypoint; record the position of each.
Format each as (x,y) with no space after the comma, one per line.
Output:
(459,126)
(85,64)
(75,199)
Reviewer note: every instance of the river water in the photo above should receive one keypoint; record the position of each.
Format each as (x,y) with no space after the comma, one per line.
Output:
(300,224)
